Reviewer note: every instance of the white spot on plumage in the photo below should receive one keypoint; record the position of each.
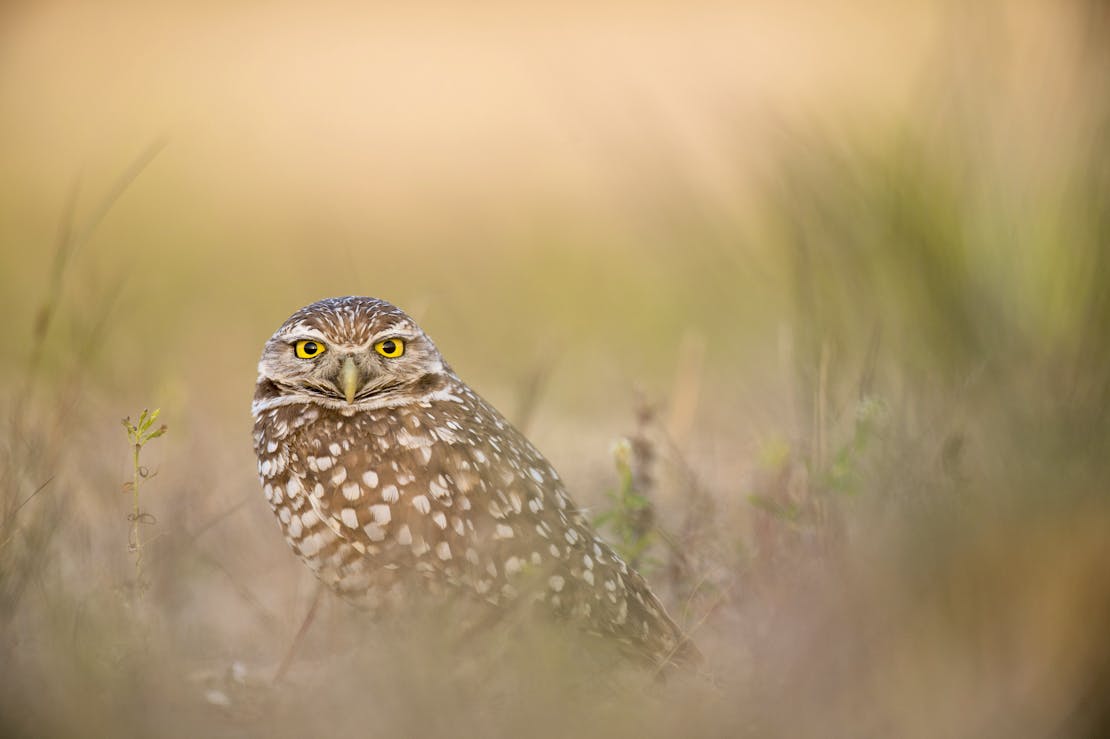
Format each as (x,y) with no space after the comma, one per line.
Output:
(513,565)
(349,518)
(404,535)
(440,519)
(556,582)
(374,532)
(339,476)
(503,532)
(411,441)
(335,449)
(323,464)
(380,513)
(390,494)
(310,545)
(370,478)
(421,504)
(443,550)
(351,491)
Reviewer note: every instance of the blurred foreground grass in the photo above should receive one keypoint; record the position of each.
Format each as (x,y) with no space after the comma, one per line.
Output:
(868,403)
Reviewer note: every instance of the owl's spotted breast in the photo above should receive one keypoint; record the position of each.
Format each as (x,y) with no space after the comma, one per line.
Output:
(427,482)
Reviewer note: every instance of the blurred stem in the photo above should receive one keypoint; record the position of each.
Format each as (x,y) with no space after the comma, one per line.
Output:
(136,535)
(139,434)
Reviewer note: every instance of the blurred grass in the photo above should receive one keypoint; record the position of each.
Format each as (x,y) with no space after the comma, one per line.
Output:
(889,515)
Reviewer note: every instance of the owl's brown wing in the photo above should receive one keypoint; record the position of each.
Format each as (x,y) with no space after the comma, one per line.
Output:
(452,491)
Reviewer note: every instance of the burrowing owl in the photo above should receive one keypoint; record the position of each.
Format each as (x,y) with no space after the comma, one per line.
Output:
(382,465)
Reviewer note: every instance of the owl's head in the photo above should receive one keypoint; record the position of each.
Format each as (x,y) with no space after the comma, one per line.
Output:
(346,353)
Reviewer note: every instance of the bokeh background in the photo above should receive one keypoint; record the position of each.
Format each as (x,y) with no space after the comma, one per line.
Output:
(838,272)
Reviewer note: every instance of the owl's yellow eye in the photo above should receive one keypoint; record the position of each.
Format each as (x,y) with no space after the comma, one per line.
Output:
(307,348)
(391,348)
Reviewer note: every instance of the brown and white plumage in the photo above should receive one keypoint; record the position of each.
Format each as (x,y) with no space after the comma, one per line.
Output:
(385,469)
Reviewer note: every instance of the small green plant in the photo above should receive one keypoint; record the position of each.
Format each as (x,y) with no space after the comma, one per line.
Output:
(773,498)
(631,516)
(139,434)
(844,473)
(807,497)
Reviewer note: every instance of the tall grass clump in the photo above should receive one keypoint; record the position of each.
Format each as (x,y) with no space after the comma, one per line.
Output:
(947,458)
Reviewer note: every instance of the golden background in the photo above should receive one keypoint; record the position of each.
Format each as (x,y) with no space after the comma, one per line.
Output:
(852,259)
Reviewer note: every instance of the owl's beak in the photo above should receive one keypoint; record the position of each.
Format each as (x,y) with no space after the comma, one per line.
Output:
(349,379)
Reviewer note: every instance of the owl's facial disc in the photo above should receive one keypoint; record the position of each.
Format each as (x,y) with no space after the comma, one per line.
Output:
(349,353)
(310,365)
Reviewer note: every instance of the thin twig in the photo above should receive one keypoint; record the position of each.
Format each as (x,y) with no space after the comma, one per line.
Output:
(38,490)
(218,518)
(724,595)
(295,646)
(243,591)
(530,394)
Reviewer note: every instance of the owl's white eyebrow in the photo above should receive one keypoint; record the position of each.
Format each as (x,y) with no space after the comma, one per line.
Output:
(391,333)
(304,334)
